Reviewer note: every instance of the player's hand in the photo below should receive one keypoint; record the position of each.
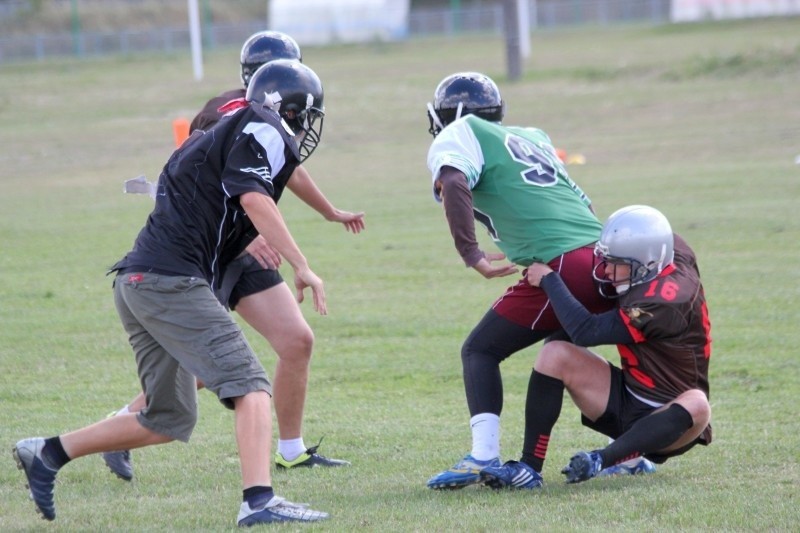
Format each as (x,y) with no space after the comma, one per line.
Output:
(353,222)
(305,278)
(536,271)
(487,270)
(265,254)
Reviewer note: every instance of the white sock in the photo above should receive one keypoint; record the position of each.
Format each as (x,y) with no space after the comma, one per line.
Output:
(123,411)
(485,436)
(292,448)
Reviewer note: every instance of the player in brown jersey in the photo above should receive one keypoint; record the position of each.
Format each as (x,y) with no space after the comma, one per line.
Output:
(254,288)
(656,405)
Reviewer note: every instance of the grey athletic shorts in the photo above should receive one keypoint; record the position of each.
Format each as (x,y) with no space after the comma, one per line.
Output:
(179,330)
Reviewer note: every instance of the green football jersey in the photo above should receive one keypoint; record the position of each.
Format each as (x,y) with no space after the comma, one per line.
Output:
(520,188)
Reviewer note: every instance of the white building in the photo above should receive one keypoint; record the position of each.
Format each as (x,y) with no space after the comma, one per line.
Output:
(342,21)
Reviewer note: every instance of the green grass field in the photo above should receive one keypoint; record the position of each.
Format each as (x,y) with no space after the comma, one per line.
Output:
(701,121)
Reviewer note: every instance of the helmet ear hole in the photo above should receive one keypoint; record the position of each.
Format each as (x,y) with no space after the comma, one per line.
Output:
(641,272)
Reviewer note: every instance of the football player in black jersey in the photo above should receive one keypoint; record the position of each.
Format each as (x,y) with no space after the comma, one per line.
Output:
(255,289)
(215,193)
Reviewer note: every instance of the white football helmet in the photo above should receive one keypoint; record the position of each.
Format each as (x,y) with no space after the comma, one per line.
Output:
(639,236)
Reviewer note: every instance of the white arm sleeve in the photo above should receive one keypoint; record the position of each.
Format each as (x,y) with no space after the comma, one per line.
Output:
(456,146)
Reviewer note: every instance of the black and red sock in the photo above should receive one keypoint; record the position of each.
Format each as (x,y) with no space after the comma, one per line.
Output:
(542,409)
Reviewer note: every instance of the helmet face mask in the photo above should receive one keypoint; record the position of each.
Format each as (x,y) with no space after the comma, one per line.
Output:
(263,47)
(306,124)
(637,238)
(295,92)
(464,93)
(614,275)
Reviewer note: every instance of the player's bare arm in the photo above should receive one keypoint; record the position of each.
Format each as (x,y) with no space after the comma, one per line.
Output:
(270,224)
(304,188)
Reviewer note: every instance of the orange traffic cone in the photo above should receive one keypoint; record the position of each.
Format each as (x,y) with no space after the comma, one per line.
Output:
(180,129)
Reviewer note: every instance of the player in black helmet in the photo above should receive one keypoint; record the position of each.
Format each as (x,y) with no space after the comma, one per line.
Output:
(253,285)
(510,179)
(215,193)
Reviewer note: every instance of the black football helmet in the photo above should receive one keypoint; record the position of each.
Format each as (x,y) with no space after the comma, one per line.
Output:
(263,47)
(294,91)
(465,93)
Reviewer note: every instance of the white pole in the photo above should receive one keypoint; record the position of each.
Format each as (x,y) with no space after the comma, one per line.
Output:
(524,29)
(197,46)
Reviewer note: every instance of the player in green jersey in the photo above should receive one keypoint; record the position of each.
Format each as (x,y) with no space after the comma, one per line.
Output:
(511,180)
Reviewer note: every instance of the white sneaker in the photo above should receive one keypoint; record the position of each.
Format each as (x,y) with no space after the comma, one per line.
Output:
(41,478)
(278,509)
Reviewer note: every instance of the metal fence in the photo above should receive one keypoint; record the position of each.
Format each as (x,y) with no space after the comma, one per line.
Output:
(422,22)
(84,44)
